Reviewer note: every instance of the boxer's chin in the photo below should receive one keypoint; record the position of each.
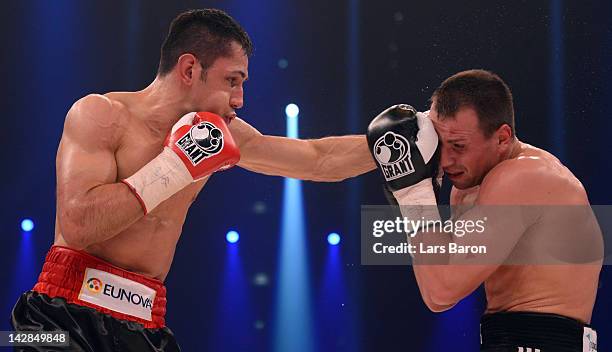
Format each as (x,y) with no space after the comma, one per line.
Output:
(461,186)
(461,182)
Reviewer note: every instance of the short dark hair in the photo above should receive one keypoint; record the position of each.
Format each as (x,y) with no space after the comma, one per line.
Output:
(205,33)
(481,90)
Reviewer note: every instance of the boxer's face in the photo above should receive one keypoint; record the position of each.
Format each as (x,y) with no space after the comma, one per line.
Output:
(467,155)
(221,89)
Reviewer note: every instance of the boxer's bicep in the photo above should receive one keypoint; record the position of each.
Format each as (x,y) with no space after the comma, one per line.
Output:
(473,256)
(92,205)
(85,157)
(85,160)
(478,249)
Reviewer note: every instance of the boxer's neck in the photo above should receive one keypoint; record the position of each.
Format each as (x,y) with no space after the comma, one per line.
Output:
(163,102)
(514,150)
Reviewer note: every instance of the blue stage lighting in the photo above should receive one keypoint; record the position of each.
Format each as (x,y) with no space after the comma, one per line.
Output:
(232,236)
(333,238)
(294,327)
(27,225)
(283,63)
(292,110)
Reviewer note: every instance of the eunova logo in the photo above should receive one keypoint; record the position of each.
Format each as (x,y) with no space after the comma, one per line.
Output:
(127,296)
(94,285)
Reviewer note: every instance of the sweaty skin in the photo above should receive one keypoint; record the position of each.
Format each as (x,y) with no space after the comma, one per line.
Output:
(108,137)
(505,171)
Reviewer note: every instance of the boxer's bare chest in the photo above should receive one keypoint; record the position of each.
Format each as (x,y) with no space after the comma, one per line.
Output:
(148,245)
(140,143)
(560,289)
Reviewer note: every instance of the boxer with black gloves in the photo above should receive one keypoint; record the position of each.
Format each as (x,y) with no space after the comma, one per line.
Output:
(530,202)
(404,144)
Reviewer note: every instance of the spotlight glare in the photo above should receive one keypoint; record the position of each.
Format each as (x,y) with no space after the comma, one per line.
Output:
(333,238)
(27,225)
(292,110)
(261,279)
(283,63)
(259,324)
(232,236)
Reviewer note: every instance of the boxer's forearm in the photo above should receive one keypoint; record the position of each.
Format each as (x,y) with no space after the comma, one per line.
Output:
(435,290)
(445,285)
(439,308)
(430,269)
(98,215)
(339,158)
(328,159)
(432,302)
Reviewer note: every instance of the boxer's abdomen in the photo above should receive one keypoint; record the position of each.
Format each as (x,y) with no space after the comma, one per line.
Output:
(147,247)
(543,289)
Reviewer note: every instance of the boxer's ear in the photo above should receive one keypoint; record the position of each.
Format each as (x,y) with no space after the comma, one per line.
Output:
(504,135)
(186,68)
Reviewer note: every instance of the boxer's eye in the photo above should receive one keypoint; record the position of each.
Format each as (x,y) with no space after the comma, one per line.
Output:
(233,81)
(459,146)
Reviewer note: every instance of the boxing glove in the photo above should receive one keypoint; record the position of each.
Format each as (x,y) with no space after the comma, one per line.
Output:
(198,145)
(404,144)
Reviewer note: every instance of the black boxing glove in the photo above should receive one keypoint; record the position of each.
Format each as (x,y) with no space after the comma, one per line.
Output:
(404,144)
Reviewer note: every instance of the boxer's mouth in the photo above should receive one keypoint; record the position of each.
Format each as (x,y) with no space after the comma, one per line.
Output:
(229,118)
(453,174)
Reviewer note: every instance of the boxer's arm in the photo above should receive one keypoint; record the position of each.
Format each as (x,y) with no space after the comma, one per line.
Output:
(325,159)
(92,206)
(464,198)
(442,286)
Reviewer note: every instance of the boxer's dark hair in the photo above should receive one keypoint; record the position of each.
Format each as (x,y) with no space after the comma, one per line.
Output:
(205,33)
(481,90)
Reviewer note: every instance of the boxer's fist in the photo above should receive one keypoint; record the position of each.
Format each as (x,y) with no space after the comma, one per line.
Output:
(204,144)
(198,145)
(404,144)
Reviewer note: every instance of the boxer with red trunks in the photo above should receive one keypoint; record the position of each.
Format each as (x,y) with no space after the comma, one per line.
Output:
(129,167)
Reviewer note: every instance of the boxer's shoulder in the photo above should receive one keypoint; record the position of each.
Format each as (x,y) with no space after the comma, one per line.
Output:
(102,109)
(534,176)
(464,196)
(98,118)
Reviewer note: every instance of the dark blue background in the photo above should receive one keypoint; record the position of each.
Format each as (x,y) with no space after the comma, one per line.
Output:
(347,60)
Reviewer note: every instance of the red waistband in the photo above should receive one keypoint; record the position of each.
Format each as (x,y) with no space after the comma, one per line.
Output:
(62,276)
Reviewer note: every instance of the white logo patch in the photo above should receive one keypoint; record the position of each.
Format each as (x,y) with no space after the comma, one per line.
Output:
(392,151)
(589,340)
(117,293)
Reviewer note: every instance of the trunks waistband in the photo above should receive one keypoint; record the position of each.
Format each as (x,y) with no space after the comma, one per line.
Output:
(531,331)
(86,280)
